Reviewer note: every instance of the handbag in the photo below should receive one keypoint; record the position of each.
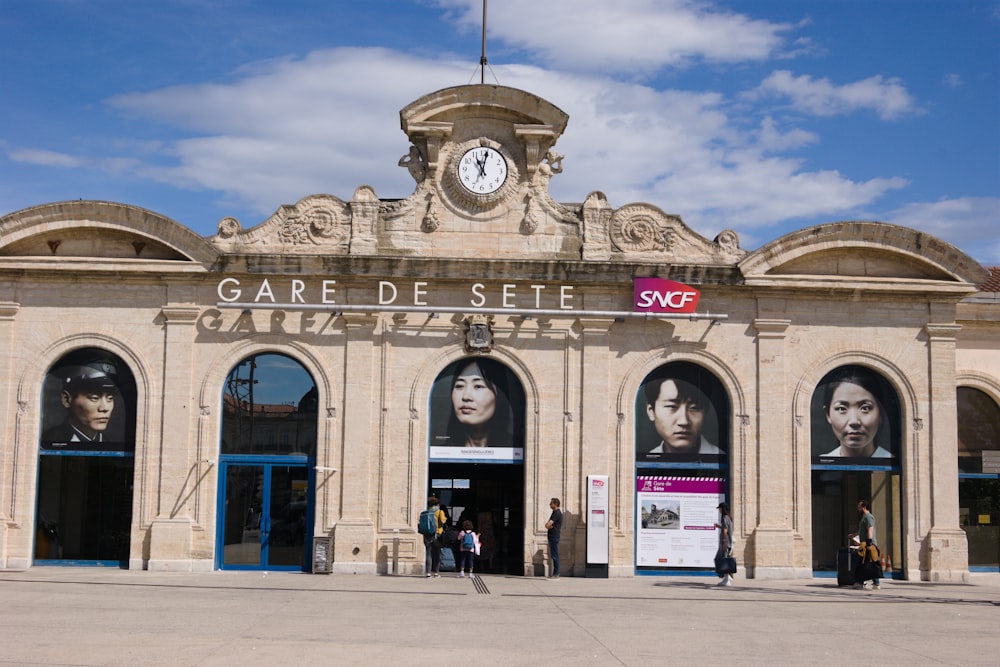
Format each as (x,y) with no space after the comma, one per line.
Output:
(727,565)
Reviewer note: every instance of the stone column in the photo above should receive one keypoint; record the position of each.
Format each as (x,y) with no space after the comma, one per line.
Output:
(354,541)
(8,477)
(170,537)
(597,421)
(769,551)
(945,549)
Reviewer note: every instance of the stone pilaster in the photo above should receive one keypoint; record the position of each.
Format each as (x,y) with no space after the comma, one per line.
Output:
(596,429)
(945,549)
(170,537)
(8,310)
(354,541)
(771,540)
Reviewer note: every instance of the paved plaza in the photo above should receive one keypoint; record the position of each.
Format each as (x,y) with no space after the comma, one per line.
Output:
(87,616)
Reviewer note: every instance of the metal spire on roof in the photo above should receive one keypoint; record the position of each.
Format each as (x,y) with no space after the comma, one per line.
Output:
(483,63)
(482,58)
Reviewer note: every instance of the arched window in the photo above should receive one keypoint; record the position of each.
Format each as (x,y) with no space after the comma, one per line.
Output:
(269,407)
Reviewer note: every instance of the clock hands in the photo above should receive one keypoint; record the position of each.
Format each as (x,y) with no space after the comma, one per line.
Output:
(481,163)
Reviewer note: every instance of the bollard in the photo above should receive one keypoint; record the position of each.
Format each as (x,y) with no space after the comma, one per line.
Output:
(395,550)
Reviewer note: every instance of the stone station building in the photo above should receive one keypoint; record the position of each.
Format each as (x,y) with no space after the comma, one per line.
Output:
(296,380)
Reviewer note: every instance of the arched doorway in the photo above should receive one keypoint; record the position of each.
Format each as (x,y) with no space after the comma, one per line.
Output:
(855,446)
(86,461)
(476,457)
(682,440)
(979,477)
(266,465)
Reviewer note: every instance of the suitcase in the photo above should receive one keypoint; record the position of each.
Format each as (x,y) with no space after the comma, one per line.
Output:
(845,567)
(447,559)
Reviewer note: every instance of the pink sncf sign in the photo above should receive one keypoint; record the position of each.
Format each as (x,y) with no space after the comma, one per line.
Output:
(657,295)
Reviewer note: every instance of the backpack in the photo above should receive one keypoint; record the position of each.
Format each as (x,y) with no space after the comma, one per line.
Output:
(468,541)
(428,525)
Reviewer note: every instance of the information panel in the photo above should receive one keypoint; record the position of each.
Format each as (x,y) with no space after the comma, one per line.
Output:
(675,521)
(597,519)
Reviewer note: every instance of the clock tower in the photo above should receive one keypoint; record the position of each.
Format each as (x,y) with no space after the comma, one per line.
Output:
(481,157)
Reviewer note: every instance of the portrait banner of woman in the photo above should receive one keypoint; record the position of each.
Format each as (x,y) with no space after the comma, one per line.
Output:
(477,413)
(855,418)
(681,416)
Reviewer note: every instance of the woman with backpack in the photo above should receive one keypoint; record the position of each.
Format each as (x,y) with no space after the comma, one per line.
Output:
(468,541)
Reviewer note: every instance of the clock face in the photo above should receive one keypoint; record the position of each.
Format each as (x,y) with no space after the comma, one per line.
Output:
(482,170)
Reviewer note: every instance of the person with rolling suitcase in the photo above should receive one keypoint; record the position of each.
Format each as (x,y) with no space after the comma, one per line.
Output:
(725,564)
(867,563)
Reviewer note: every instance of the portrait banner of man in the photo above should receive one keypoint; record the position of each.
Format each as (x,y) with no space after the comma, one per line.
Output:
(855,419)
(477,413)
(681,416)
(88,404)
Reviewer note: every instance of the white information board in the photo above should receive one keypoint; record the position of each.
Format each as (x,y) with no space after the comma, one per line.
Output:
(598,524)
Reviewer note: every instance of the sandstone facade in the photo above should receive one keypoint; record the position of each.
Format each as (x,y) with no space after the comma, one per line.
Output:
(374,297)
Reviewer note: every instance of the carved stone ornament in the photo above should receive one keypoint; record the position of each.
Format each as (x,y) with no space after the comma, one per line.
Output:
(479,333)
(637,228)
(314,222)
(430,221)
(229,227)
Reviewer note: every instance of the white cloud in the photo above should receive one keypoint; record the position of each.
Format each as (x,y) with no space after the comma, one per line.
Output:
(627,36)
(328,123)
(45,158)
(887,97)
(972,223)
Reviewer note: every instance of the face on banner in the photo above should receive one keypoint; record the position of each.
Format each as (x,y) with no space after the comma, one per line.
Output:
(855,418)
(477,413)
(88,402)
(681,415)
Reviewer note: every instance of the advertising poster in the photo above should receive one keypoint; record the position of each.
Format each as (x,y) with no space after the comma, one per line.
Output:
(675,521)
(477,414)
(681,415)
(855,419)
(88,404)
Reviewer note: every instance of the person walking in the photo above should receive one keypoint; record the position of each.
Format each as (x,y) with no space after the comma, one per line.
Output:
(554,528)
(725,549)
(865,570)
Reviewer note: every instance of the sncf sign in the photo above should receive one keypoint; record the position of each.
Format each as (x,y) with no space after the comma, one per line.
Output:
(656,295)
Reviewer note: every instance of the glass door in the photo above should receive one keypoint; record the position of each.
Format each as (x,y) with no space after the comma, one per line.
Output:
(266,517)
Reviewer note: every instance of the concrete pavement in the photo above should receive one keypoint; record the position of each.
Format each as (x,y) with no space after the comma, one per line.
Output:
(93,616)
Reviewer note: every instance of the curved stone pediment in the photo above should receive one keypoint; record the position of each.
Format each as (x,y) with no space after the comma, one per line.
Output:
(102,230)
(862,250)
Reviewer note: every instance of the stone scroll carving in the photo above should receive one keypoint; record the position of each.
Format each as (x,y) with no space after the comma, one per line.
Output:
(320,223)
(638,228)
(642,230)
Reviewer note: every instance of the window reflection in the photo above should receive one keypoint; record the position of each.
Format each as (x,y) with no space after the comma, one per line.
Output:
(269,406)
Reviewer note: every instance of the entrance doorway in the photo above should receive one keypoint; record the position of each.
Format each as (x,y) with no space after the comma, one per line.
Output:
(491,496)
(835,496)
(86,461)
(266,515)
(266,480)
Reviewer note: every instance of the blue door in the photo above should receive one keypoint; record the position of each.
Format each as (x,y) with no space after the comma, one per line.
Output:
(265,513)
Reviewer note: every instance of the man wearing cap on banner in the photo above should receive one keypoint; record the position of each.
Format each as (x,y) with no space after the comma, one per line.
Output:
(88,394)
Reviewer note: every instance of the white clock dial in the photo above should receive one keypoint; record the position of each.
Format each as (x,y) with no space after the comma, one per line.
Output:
(482,170)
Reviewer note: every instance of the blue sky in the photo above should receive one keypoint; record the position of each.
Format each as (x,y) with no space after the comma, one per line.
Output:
(762,116)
